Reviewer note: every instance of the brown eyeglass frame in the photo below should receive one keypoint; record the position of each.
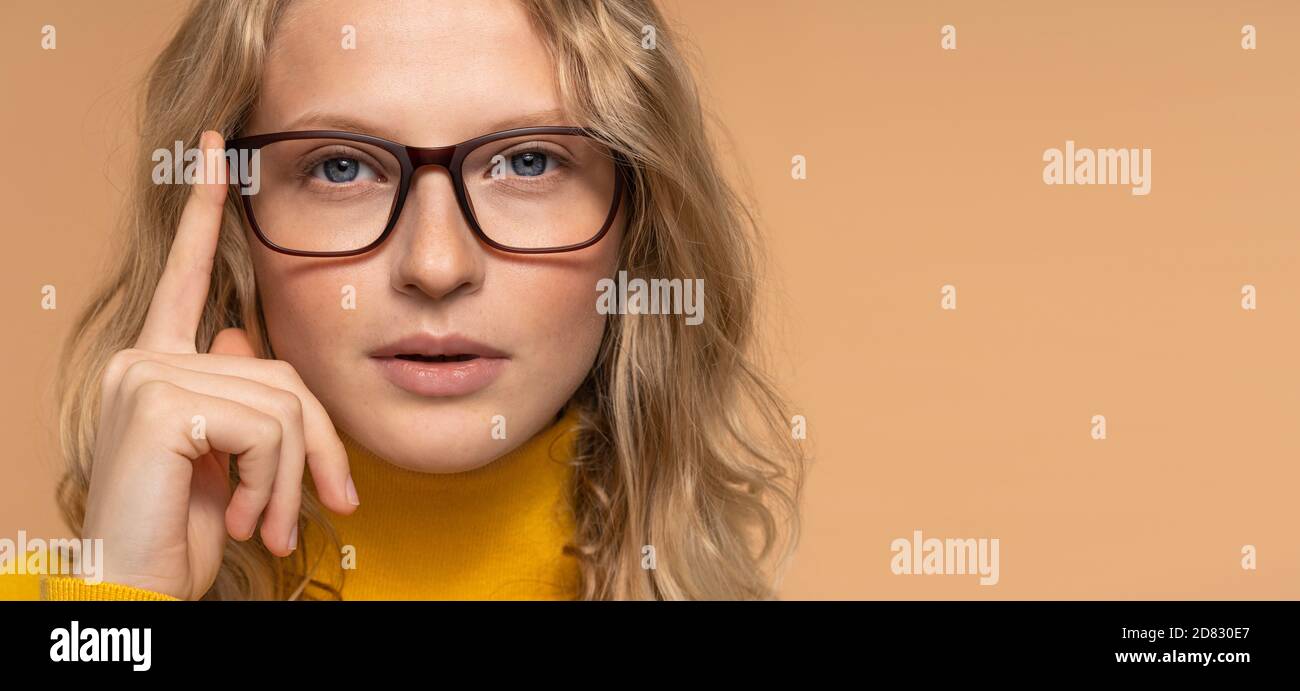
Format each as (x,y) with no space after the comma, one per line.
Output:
(450,158)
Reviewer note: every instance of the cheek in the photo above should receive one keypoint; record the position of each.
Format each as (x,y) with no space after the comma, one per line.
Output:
(557,305)
(566,309)
(302,303)
(560,310)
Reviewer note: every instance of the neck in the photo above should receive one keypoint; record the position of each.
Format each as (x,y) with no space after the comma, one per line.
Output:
(495,532)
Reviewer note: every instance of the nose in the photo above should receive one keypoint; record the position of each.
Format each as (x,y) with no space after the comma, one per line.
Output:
(437,253)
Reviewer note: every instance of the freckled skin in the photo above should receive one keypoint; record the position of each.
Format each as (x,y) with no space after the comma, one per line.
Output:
(427,74)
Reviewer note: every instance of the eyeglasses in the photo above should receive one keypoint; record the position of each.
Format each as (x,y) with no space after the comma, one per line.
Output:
(531,190)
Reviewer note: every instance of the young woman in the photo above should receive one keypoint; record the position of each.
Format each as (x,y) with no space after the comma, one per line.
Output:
(415,322)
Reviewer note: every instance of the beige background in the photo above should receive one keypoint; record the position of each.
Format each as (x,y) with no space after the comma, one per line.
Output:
(924,169)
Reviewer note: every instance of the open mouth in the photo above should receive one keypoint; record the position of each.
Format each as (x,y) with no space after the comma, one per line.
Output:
(428,367)
(461,357)
(440,366)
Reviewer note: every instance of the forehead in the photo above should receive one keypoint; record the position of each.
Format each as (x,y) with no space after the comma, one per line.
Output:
(423,72)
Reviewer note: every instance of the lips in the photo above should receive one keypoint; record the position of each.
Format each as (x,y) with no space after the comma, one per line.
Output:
(439,366)
(429,347)
(416,357)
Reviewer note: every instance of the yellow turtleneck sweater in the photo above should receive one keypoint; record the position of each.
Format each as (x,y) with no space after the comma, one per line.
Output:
(496,532)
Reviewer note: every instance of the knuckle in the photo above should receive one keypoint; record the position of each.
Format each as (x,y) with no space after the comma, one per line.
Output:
(156,400)
(269,429)
(289,407)
(137,374)
(285,372)
(115,368)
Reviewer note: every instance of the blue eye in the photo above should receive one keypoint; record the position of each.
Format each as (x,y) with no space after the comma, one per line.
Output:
(342,170)
(529,164)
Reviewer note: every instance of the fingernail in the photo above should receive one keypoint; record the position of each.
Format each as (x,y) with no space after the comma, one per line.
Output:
(293,538)
(352,493)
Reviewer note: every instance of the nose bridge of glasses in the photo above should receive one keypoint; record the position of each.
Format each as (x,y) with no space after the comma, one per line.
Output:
(433,156)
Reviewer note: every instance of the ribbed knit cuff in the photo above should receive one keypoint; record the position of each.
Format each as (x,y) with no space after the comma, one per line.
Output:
(69,588)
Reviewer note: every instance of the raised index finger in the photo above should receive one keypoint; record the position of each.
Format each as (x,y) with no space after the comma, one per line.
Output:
(178,301)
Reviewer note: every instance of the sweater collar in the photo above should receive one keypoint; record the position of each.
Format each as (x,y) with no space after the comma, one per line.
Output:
(497,531)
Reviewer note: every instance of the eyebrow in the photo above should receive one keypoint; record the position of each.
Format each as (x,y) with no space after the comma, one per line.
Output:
(316,119)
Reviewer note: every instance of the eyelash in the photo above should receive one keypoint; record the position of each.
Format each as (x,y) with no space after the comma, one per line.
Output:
(557,158)
(316,158)
(306,168)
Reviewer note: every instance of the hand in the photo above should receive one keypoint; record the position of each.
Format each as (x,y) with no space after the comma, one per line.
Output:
(170,419)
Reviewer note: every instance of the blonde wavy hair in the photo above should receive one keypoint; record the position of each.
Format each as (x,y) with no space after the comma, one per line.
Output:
(683,443)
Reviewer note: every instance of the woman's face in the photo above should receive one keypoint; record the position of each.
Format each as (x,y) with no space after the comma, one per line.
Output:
(426,74)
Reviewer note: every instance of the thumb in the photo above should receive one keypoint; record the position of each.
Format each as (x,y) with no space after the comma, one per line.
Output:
(232,342)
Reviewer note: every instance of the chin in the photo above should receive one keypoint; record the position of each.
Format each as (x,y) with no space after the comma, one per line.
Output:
(443,460)
(446,440)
